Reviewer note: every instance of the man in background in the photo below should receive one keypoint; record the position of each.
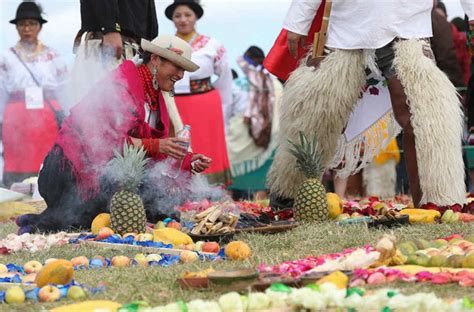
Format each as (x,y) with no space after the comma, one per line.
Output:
(110,32)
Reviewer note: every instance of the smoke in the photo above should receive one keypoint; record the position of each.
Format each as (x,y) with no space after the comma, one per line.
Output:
(162,194)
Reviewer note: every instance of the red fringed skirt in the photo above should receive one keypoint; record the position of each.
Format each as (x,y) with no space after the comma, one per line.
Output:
(28,135)
(203,112)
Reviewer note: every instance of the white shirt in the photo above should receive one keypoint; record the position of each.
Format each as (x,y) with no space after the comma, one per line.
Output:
(48,67)
(368,24)
(211,57)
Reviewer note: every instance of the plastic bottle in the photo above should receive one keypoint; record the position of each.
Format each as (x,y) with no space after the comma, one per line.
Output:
(174,165)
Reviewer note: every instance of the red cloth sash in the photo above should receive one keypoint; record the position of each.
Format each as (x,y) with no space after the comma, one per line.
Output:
(103,121)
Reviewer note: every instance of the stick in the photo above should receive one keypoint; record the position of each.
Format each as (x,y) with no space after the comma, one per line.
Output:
(320,37)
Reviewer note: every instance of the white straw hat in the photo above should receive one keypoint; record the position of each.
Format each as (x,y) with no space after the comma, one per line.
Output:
(173,49)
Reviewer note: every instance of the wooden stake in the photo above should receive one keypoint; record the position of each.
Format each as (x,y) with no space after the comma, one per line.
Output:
(320,37)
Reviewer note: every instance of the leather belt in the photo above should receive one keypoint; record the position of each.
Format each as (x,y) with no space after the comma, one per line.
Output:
(200,86)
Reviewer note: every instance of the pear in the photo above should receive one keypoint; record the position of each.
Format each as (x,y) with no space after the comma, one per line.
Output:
(422,244)
(455,261)
(468,262)
(422,260)
(438,261)
(439,243)
(407,248)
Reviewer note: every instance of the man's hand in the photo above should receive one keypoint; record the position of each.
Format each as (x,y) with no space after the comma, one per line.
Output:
(200,162)
(173,147)
(294,40)
(112,44)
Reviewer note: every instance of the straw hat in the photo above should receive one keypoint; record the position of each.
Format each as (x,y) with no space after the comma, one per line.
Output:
(173,49)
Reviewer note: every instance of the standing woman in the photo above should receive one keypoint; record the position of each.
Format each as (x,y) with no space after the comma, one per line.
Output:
(30,74)
(202,104)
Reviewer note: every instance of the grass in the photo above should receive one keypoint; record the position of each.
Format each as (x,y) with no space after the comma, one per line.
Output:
(158,285)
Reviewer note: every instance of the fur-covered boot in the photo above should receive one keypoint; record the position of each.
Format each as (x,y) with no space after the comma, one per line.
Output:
(316,101)
(437,121)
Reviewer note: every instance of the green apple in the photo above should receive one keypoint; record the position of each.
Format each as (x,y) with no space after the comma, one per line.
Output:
(198,245)
(141,259)
(15,295)
(153,257)
(76,292)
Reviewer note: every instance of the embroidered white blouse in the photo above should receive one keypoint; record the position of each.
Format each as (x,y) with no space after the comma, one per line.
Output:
(47,66)
(212,59)
(368,24)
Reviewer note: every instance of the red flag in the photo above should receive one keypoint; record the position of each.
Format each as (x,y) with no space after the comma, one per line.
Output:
(279,62)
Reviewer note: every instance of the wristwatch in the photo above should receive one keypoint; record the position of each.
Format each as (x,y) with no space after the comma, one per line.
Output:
(116,28)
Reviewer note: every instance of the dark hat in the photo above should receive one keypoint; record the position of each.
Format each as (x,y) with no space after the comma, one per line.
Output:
(28,10)
(194,5)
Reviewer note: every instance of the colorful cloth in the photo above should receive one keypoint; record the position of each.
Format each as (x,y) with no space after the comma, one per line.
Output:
(279,61)
(249,162)
(259,110)
(102,122)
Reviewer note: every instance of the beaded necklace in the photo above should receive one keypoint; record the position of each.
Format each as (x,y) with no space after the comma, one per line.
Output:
(147,81)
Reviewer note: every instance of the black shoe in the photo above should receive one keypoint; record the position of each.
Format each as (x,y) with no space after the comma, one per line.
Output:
(279,203)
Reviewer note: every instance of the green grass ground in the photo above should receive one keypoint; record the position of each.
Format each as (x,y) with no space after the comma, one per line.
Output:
(158,285)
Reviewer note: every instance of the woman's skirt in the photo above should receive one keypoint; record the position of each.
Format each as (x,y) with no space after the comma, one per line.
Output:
(203,112)
(28,135)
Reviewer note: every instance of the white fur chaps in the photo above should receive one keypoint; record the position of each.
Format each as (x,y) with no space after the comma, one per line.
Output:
(437,121)
(317,102)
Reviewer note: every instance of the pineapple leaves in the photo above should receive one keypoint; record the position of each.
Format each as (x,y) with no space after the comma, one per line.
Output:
(308,155)
(128,168)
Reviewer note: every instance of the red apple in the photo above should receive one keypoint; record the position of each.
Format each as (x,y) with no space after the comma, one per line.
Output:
(174,225)
(210,247)
(49,293)
(105,232)
(32,267)
(120,261)
(80,261)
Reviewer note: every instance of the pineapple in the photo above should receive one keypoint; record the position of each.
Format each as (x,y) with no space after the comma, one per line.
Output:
(310,202)
(127,213)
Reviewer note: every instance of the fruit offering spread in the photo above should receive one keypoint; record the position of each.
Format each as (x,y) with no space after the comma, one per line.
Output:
(314,297)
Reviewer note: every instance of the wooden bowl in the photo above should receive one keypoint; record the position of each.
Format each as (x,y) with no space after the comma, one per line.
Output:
(233,276)
(219,238)
(193,282)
